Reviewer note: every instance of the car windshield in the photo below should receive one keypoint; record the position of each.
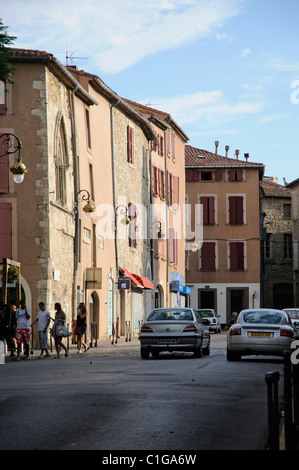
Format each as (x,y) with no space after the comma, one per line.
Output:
(206,313)
(294,314)
(262,317)
(170,314)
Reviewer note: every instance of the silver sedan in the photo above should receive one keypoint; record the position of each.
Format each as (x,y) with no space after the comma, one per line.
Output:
(259,332)
(174,329)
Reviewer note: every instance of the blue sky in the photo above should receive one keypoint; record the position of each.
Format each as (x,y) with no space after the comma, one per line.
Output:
(226,70)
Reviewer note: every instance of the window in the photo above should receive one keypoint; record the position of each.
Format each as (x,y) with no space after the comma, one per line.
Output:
(3,106)
(208,203)
(61,160)
(132,214)
(206,175)
(86,235)
(287,246)
(268,246)
(88,129)
(235,175)
(91,182)
(173,246)
(235,210)
(287,211)
(208,256)
(130,144)
(236,256)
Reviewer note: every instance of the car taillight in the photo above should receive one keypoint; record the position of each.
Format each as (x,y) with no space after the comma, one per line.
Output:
(214,320)
(146,329)
(190,329)
(286,332)
(235,331)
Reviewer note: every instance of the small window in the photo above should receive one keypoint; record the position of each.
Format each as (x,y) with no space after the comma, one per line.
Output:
(287,211)
(206,176)
(86,235)
(287,246)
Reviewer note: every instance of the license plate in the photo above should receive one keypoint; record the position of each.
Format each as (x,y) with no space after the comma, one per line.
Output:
(260,335)
(167,341)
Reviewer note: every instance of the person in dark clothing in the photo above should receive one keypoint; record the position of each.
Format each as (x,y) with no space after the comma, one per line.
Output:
(80,329)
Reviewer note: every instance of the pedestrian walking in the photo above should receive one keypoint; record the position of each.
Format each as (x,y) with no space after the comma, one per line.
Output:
(23,315)
(57,330)
(43,319)
(81,326)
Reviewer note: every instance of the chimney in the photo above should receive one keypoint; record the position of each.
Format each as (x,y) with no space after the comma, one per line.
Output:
(216,146)
(237,154)
(246,155)
(226,150)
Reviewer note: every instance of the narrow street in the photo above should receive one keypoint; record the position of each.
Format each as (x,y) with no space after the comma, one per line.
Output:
(111,399)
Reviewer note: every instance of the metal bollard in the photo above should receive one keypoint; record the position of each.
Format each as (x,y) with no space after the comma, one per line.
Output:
(272,379)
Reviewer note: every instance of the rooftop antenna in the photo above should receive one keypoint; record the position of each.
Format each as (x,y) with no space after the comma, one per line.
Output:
(71,57)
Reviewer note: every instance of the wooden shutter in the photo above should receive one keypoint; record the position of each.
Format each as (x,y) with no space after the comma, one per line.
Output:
(236,256)
(236,210)
(130,144)
(176,189)
(5,230)
(208,210)
(218,175)
(171,254)
(208,256)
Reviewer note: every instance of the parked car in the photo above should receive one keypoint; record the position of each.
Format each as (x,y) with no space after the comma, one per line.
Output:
(213,322)
(259,332)
(294,314)
(174,329)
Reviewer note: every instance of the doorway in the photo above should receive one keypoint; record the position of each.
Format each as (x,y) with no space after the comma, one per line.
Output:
(237,299)
(207,298)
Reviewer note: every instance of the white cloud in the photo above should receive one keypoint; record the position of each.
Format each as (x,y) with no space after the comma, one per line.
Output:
(115,34)
(245,52)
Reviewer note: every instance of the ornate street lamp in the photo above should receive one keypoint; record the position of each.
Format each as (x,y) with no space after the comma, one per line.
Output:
(10,144)
(89,207)
(123,210)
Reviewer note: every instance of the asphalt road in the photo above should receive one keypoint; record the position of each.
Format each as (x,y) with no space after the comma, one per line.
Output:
(111,399)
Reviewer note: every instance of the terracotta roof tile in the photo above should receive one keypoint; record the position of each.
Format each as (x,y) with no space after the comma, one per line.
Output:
(199,158)
(272,189)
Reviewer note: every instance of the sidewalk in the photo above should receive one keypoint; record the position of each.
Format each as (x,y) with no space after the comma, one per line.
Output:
(104,347)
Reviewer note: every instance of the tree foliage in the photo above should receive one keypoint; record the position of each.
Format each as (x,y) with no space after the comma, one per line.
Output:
(6,70)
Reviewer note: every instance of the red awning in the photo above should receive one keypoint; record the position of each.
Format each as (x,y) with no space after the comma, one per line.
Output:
(146,283)
(133,278)
(138,281)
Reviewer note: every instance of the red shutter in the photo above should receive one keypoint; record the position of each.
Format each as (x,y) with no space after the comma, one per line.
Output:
(211,203)
(176,189)
(189,175)
(236,256)
(130,144)
(232,210)
(196,175)
(5,231)
(239,175)
(231,175)
(239,210)
(171,230)
(218,175)
(208,256)
(204,202)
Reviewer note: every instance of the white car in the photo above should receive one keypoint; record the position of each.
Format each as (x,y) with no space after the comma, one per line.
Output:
(211,319)
(294,314)
(260,331)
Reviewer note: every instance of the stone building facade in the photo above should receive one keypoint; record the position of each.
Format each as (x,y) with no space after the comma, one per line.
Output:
(39,111)
(276,245)
(294,188)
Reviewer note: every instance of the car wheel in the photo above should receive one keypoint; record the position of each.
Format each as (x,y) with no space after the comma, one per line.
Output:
(198,351)
(232,356)
(144,353)
(206,350)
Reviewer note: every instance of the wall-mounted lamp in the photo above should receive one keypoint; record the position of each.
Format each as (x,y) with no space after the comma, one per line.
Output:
(194,246)
(159,232)
(89,207)
(124,211)
(11,144)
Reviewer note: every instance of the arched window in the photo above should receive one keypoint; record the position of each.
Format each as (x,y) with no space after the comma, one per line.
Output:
(61,160)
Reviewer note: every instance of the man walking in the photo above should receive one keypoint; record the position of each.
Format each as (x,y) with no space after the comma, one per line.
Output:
(43,318)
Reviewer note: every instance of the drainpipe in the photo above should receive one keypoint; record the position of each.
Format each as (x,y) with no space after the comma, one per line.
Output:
(114,207)
(77,227)
(167,221)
